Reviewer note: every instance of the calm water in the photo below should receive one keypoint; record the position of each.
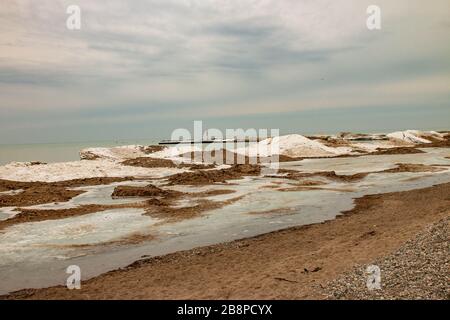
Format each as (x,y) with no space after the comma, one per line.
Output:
(56,152)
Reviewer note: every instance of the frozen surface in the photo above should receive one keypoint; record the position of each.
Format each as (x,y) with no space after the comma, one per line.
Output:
(11,192)
(100,194)
(293,145)
(7,213)
(115,153)
(415,136)
(23,171)
(36,242)
(369,163)
(37,254)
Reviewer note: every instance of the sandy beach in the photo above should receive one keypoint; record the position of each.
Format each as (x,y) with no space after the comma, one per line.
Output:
(178,151)
(150,222)
(295,263)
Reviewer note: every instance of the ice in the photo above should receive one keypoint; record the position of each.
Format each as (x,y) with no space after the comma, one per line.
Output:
(29,250)
(11,192)
(99,194)
(348,166)
(7,213)
(176,151)
(37,241)
(293,145)
(21,171)
(115,153)
(412,136)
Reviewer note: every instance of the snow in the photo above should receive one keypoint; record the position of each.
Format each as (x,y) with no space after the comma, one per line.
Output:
(106,161)
(36,241)
(176,151)
(115,153)
(24,171)
(372,146)
(135,151)
(7,213)
(293,145)
(409,136)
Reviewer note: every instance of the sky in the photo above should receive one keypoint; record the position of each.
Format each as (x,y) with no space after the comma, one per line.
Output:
(139,69)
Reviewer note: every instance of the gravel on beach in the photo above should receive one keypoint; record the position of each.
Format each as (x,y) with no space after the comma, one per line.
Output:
(420,269)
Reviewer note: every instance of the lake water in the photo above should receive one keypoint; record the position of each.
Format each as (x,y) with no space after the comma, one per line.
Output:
(57,152)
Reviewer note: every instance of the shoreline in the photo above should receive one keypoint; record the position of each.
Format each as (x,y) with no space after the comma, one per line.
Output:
(288,264)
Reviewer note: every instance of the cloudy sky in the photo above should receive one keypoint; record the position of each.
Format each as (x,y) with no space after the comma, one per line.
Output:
(140,69)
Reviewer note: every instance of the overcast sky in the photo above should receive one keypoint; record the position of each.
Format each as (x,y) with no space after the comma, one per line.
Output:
(140,69)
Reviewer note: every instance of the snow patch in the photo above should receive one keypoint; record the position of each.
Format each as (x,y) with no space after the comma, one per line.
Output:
(293,145)
(176,151)
(115,153)
(410,136)
(20,171)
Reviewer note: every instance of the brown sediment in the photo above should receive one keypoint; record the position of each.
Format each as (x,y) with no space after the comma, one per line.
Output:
(310,183)
(302,185)
(197,166)
(221,156)
(146,191)
(335,143)
(161,205)
(397,150)
(205,177)
(38,195)
(14,185)
(134,238)
(283,158)
(4,188)
(280,211)
(308,256)
(147,162)
(436,143)
(163,209)
(211,193)
(332,175)
(163,202)
(310,188)
(38,192)
(36,215)
(229,157)
(89,181)
(88,155)
(152,149)
(408,167)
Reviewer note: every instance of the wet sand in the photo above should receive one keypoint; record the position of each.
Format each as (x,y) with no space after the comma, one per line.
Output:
(290,264)
(34,193)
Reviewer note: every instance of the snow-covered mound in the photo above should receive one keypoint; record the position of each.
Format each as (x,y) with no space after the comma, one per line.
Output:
(25,171)
(115,153)
(135,151)
(428,134)
(293,145)
(176,151)
(415,136)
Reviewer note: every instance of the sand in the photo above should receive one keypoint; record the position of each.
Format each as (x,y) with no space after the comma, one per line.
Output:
(204,177)
(34,193)
(290,264)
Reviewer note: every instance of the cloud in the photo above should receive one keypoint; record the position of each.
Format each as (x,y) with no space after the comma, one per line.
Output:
(163,59)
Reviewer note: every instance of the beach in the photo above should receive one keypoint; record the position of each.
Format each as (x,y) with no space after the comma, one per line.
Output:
(295,263)
(155,222)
